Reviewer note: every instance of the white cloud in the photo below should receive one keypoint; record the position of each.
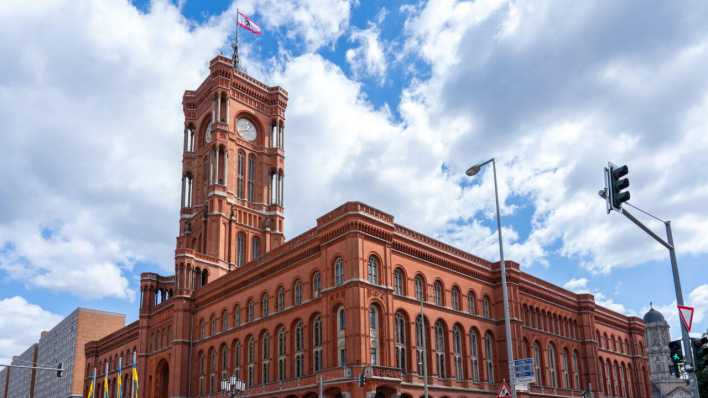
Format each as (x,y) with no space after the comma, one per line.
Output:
(368,58)
(21,325)
(578,285)
(92,137)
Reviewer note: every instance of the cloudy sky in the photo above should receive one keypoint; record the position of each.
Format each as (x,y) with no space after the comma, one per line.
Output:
(389,104)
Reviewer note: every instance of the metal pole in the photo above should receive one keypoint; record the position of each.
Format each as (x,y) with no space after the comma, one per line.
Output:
(425,348)
(505,293)
(679,299)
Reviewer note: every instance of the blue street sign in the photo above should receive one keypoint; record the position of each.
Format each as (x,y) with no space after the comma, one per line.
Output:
(524,370)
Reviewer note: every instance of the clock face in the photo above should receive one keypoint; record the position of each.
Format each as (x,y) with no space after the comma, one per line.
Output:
(246,129)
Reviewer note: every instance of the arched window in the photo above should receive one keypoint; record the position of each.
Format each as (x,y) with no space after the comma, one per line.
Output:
(212,326)
(338,271)
(212,371)
(457,351)
(224,321)
(438,291)
(237,316)
(398,281)
(456,298)
(419,288)
(489,357)
(608,376)
(265,346)
(250,311)
(576,371)
(440,348)
(374,334)
(237,359)
(420,346)
(471,302)
(240,249)
(224,362)
(552,370)
(297,292)
(618,381)
(373,270)
(202,374)
(240,168)
(537,364)
(280,299)
(317,344)
(281,354)
(205,277)
(486,308)
(400,341)
(251,361)
(316,284)
(251,177)
(255,247)
(202,329)
(299,344)
(341,338)
(265,308)
(474,355)
(565,369)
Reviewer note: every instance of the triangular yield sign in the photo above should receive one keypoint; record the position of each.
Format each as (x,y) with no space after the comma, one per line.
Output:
(686,315)
(504,391)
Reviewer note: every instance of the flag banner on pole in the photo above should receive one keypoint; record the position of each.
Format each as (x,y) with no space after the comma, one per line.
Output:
(106,391)
(90,391)
(119,381)
(248,24)
(135,376)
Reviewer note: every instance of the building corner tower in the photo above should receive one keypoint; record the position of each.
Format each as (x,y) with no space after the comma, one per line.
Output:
(232,175)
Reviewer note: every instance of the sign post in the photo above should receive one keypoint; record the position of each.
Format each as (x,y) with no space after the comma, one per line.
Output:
(686,315)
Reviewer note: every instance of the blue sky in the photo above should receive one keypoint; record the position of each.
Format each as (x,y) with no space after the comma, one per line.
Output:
(389,103)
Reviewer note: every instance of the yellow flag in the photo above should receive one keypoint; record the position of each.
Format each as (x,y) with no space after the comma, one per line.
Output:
(106,391)
(90,391)
(119,385)
(135,382)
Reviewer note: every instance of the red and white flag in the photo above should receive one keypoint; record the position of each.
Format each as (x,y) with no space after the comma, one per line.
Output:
(247,23)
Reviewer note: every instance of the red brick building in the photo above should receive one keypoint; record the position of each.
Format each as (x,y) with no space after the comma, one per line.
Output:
(342,298)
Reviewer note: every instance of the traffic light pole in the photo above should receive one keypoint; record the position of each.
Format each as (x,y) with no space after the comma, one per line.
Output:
(688,350)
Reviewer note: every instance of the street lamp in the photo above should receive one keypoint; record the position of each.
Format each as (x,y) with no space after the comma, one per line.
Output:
(233,386)
(505,294)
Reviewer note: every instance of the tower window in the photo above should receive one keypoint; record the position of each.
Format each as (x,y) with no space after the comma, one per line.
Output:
(240,249)
(373,269)
(316,285)
(251,177)
(240,169)
(338,271)
(255,248)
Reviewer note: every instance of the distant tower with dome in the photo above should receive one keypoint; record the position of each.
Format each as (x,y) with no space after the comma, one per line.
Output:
(663,383)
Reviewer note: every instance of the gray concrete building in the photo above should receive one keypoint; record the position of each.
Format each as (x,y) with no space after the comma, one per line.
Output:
(21,383)
(63,343)
(663,383)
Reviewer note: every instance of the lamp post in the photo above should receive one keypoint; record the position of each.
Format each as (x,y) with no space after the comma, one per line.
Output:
(505,294)
(233,386)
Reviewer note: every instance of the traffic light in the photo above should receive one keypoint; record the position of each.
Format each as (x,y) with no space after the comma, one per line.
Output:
(675,352)
(617,184)
(362,379)
(60,371)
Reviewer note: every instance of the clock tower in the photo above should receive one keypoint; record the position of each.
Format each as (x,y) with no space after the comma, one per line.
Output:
(232,175)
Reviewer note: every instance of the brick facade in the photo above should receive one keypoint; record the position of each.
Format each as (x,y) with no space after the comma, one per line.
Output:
(342,298)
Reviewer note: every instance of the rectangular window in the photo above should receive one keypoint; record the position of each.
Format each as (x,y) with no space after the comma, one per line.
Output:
(240,167)
(251,178)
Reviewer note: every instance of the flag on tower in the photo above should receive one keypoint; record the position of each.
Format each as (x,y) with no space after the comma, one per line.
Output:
(91,386)
(247,23)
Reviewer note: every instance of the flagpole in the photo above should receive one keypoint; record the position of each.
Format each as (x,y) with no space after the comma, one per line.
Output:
(93,391)
(119,382)
(235,58)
